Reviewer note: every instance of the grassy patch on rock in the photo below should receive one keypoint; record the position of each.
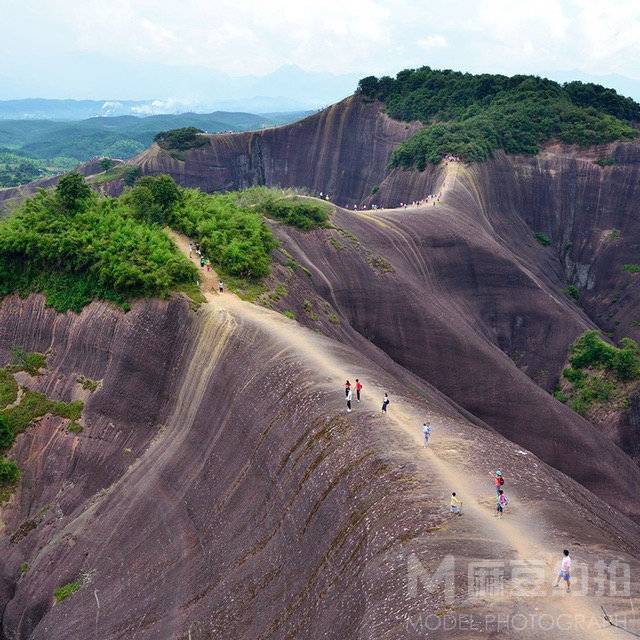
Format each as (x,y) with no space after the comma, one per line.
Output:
(15,418)
(66,591)
(599,373)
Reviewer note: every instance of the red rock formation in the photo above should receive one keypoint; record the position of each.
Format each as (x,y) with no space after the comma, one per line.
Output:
(219,491)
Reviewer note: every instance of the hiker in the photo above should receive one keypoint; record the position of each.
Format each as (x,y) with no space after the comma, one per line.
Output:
(426,434)
(456,504)
(202,261)
(190,250)
(349,396)
(208,263)
(221,286)
(385,403)
(358,389)
(499,480)
(347,388)
(565,571)
(501,503)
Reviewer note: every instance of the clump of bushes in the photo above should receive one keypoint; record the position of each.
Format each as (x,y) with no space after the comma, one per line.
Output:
(8,390)
(9,472)
(74,427)
(590,350)
(29,361)
(286,205)
(632,268)
(598,370)
(87,383)
(473,115)
(181,139)
(542,238)
(572,291)
(233,237)
(76,247)
(605,161)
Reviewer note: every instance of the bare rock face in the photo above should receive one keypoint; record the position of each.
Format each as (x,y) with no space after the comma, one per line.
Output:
(219,490)
(479,316)
(341,151)
(480,255)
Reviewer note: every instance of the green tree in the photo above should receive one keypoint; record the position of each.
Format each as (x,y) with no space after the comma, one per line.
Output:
(154,197)
(131,175)
(106,164)
(368,87)
(73,193)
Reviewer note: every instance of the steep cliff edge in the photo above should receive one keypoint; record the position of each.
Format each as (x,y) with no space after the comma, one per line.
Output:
(342,151)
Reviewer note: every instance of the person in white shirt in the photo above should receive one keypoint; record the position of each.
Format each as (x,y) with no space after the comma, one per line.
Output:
(565,571)
(426,433)
(349,396)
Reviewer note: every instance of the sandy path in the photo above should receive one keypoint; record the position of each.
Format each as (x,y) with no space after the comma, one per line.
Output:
(517,535)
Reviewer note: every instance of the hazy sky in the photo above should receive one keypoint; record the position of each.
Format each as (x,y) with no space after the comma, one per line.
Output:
(338,36)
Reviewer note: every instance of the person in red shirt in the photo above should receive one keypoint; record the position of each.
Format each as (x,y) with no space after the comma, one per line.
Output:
(358,389)
(499,480)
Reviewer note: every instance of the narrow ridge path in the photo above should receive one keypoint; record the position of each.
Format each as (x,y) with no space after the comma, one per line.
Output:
(517,535)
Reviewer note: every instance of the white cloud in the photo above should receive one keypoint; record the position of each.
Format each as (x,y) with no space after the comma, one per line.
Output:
(171,105)
(364,36)
(432,42)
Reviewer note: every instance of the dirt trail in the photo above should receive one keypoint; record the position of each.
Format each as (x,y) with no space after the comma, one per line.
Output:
(519,537)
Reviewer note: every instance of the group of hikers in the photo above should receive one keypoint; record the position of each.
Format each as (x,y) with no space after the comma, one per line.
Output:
(431,198)
(205,263)
(348,392)
(455,503)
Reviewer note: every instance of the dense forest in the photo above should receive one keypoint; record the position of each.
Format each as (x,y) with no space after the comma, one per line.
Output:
(76,246)
(470,115)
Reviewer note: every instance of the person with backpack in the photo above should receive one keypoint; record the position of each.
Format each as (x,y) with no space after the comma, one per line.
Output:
(220,286)
(347,388)
(565,571)
(426,434)
(385,403)
(358,389)
(349,396)
(499,480)
(455,504)
(501,503)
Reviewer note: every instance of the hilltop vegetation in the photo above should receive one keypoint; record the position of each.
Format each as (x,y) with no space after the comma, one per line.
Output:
(473,115)
(75,246)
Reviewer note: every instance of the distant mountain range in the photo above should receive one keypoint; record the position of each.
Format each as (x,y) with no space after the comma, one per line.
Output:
(152,88)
